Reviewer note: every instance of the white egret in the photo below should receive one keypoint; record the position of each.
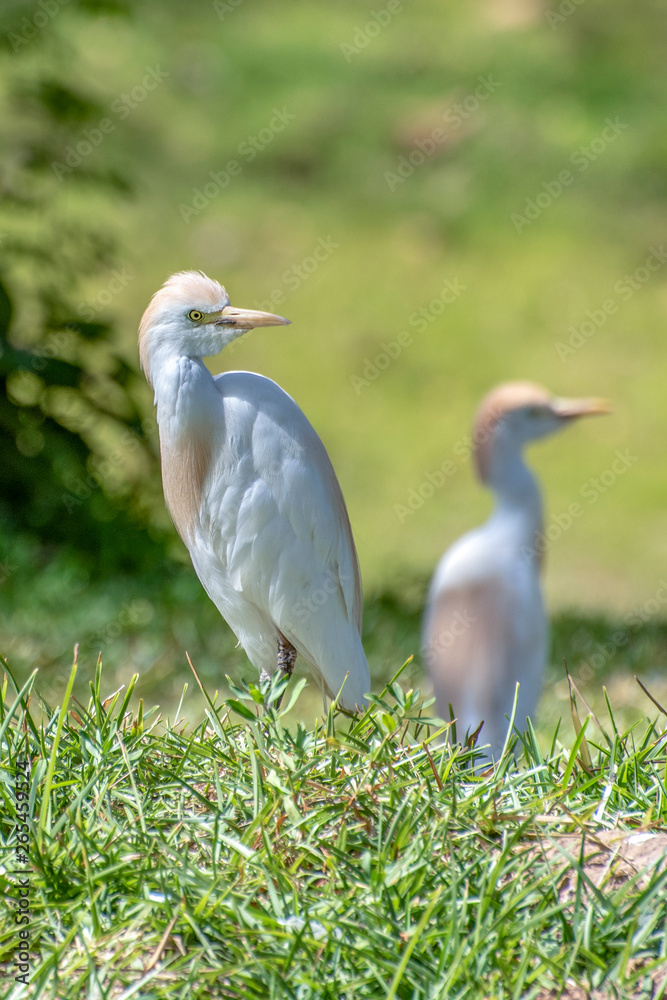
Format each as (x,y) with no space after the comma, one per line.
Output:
(485,627)
(253,494)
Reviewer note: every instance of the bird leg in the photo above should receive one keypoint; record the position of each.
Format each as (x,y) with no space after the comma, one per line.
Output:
(286,659)
(286,656)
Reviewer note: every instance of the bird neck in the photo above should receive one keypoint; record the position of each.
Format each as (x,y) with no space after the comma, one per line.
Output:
(188,416)
(184,391)
(518,499)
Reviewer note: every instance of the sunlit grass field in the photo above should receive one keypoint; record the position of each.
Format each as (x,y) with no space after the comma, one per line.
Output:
(245,857)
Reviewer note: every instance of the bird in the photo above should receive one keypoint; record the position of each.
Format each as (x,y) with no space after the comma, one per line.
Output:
(253,494)
(485,628)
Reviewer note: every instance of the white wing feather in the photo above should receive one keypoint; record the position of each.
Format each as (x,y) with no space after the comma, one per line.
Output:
(274,521)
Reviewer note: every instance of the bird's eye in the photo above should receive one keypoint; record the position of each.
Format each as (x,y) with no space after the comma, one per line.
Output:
(195,315)
(534,412)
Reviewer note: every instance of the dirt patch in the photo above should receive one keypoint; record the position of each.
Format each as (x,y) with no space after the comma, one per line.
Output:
(614,854)
(606,859)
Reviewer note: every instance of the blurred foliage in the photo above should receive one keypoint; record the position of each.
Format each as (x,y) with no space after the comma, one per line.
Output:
(184,96)
(69,472)
(227,71)
(71,427)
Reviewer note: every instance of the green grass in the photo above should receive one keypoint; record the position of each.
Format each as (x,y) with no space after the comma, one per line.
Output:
(248,857)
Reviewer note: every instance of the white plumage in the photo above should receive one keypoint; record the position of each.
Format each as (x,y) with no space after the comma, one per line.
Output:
(253,493)
(485,628)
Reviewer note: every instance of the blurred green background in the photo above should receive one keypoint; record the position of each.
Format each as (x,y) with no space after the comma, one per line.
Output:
(438,196)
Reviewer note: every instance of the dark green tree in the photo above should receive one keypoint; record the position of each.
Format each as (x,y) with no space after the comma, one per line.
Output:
(68,413)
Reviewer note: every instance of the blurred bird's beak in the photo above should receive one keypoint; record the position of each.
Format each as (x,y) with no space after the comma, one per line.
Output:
(248,319)
(568,409)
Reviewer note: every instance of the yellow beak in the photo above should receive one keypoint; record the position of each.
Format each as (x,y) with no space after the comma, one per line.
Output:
(248,319)
(568,409)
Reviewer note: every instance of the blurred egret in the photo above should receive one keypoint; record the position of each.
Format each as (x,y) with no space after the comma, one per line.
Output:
(252,493)
(485,628)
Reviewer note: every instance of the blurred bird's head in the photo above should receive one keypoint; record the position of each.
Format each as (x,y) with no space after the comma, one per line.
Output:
(515,413)
(191,316)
